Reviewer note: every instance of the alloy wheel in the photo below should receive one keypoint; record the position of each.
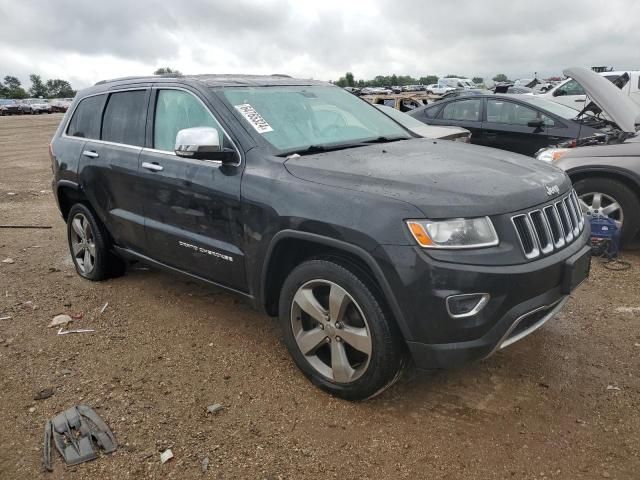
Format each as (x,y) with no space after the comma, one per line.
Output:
(597,203)
(331,331)
(83,246)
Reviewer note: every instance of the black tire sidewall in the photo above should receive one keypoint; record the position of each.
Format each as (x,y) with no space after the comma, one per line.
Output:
(101,265)
(627,199)
(387,357)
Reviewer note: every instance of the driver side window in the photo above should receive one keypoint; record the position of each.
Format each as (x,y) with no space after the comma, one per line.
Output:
(570,88)
(175,111)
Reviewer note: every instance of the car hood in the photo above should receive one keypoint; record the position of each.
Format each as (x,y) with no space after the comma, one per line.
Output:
(443,179)
(611,100)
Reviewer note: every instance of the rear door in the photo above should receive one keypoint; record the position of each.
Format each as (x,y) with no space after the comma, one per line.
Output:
(466,113)
(192,207)
(507,126)
(109,166)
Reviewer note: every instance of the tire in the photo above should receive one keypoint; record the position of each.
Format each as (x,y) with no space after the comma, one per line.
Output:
(88,238)
(361,315)
(618,192)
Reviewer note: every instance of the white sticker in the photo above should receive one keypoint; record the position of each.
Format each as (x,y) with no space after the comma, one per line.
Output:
(254,118)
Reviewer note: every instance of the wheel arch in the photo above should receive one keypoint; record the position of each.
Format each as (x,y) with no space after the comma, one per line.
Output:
(69,193)
(621,175)
(289,248)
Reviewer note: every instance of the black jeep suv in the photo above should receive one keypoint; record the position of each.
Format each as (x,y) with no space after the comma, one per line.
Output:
(370,243)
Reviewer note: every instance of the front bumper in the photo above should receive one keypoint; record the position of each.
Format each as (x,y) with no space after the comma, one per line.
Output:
(523,298)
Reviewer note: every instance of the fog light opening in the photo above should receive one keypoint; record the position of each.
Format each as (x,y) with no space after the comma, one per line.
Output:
(467,304)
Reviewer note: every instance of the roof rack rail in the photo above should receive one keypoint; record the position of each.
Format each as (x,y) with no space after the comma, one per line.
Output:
(283,75)
(137,77)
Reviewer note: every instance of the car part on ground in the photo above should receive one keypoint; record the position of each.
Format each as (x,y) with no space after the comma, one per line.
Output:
(297,168)
(78,434)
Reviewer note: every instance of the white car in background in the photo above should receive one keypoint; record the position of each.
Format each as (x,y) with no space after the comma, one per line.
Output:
(439,89)
(571,93)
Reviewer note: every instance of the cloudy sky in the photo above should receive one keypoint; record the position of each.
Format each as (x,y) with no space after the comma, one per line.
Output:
(85,40)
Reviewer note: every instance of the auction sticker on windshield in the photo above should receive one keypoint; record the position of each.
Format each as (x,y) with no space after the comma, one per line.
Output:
(254,118)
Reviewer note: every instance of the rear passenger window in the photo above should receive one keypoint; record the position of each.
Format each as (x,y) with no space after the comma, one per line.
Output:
(85,122)
(468,110)
(124,118)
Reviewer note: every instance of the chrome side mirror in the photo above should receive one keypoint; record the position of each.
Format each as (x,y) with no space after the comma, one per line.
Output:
(203,143)
(196,142)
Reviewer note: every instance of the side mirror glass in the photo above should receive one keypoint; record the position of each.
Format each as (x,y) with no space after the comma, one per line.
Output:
(559,93)
(203,143)
(537,123)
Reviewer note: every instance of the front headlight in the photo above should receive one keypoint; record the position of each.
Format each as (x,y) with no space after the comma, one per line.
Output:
(552,154)
(454,233)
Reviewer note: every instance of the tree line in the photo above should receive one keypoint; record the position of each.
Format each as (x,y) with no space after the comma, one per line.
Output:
(11,87)
(348,80)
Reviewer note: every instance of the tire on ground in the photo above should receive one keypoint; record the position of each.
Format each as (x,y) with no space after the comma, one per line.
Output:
(388,350)
(626,197)
(107,264)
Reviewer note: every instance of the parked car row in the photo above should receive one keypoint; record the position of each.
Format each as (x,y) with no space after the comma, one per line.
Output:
(33,106)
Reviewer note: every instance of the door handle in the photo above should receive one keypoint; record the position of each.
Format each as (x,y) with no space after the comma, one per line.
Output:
(154,167)
(90,154)
(578,100)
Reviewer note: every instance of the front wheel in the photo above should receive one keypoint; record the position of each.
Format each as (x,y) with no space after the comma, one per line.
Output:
(338,332)
(612,199)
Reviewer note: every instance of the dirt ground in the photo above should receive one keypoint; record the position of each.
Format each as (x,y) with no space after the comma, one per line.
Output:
(563,403)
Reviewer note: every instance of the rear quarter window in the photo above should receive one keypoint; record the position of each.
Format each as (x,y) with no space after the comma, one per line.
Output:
(125,118)
(85,122)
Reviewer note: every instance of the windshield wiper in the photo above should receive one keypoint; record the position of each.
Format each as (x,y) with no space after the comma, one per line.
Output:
(383,140)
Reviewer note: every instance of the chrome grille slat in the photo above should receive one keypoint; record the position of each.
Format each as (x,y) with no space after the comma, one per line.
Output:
(552,227)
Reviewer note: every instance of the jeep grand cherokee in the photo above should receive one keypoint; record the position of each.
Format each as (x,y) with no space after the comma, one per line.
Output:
(370,244)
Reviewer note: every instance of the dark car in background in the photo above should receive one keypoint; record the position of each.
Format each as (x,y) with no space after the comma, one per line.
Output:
(518,123)
(9,107)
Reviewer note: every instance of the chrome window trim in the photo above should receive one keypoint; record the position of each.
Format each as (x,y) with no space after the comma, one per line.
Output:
(142,148)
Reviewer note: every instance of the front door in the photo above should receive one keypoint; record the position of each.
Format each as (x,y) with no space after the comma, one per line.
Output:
(510,126)
(192,207)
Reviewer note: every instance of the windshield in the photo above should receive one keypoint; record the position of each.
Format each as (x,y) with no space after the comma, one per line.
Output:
(555,108)
(293,118)
(6,102)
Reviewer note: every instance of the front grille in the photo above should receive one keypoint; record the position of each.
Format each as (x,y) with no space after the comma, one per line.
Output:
(542,231)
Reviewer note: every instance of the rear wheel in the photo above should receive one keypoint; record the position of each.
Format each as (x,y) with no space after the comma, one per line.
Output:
(338,332)
(612,199)
(89,246)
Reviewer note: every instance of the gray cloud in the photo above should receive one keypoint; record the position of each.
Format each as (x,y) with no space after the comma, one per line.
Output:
(88,41)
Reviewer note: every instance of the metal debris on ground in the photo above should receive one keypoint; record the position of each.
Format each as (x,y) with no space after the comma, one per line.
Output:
(613,387)
(5,318)
(78,330)
(166,456)
(8,260)
(215,408)
(44,394)
(627,309)
(104,307)
(78,434)
(60,320)
(26,226)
